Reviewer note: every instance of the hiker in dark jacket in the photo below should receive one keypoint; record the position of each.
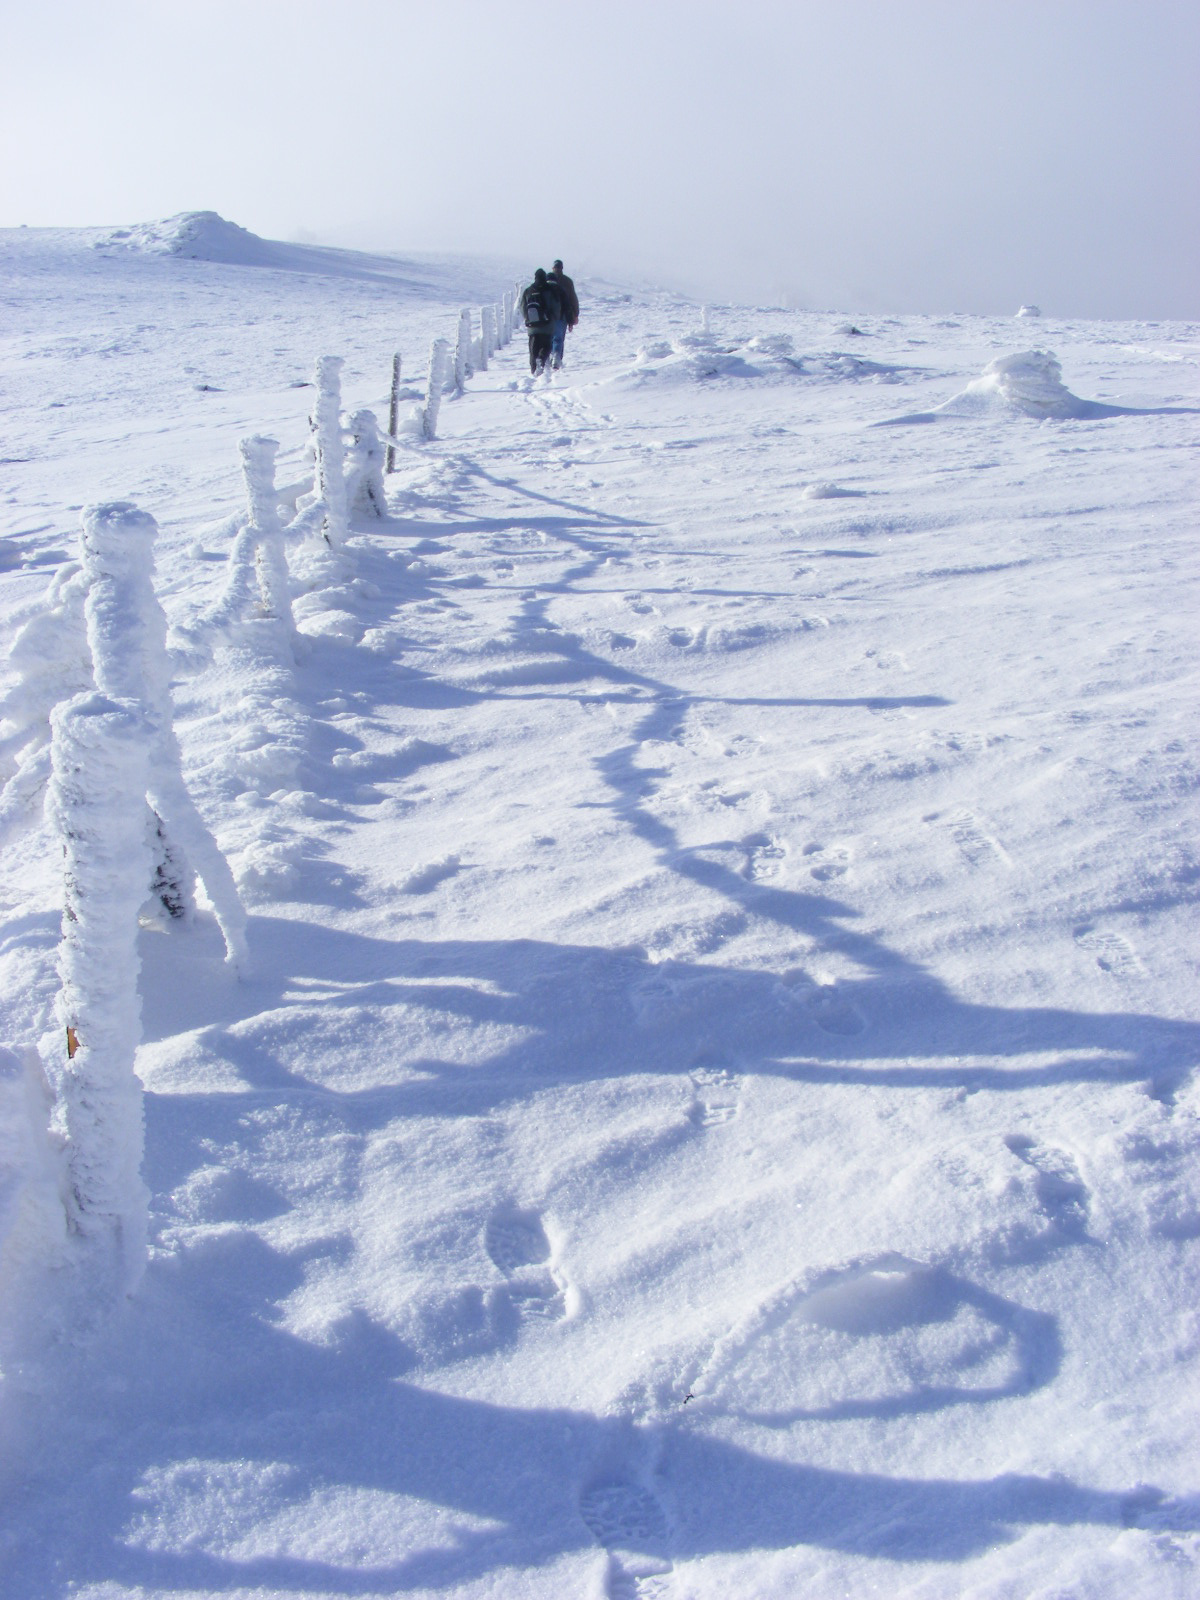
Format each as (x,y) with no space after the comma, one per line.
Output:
(541,306)
(569,316)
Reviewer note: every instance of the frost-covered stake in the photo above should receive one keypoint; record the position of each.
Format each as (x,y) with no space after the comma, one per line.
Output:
(127,634)
(498,315)
(97,800)
(330,482)
(479,346)
(365,475)
(270,560)
(462,351)
(49,656)
(393,414)
(439,352)
(487,317)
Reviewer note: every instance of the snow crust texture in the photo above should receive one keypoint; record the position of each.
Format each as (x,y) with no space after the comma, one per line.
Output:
(711,1109)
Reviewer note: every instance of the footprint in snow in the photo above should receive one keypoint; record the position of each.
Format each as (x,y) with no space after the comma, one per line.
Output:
(827,864)
(1113,953)
(764,853)
(833,1012)
(976,846)
(517,1243)
(716,1092)
(629,1521)
(888,660)
(1061,1192)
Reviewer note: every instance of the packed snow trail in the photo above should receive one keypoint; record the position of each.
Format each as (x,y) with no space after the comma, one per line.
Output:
(713,1111)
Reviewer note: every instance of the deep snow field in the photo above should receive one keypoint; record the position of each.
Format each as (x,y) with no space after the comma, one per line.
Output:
(713,1110)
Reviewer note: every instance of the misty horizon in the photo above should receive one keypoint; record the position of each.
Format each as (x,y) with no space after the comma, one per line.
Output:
(922,158)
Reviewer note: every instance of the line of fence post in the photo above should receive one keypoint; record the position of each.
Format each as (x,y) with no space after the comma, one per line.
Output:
(97,803)
(329,477)
(393,414)
(270,558)
(462,351)
(127,637)
(438,353)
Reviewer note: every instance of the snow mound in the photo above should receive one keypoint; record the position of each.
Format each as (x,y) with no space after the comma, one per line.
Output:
(195,236)
(1029,311)
(702,357)
(1028,384)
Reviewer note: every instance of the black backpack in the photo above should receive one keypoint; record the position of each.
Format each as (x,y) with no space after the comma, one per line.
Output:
(542,306)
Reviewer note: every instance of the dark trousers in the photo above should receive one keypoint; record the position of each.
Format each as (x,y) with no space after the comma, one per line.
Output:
(539,347)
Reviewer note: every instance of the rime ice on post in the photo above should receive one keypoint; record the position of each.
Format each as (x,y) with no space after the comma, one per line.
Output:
(480,346)
(258,469)
(393,414)
(330,482)
(97,799)
(439,352)
(49,655)
(462,351)
(487,317)
(365,474)
(127,633)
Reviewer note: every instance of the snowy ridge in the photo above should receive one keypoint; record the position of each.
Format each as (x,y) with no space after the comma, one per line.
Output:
(205,236)
(714,1110)
(198,236)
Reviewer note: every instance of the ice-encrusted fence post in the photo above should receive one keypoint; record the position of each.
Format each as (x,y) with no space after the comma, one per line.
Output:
(258,588)
(501,336)
(127,635)
(270,558)
(439,351)
(49,656)
(487,317)
(393,414)
(365,474)
(480,346)
(329,482)
(97,800)
(462,351)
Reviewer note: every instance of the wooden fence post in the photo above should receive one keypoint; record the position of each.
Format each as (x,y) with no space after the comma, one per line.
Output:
(393,414)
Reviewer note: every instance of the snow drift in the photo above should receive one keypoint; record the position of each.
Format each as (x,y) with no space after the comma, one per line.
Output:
(1028,384)
(704,357)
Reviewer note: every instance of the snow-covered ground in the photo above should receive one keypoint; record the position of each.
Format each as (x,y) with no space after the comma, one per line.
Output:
(713,1110)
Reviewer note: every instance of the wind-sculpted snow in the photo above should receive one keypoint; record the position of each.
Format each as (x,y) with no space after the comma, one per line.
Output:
(714,1111)
(1028,384)
(704,357)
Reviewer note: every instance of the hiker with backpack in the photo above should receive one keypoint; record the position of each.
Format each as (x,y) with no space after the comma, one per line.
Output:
(569,316)
(542,307)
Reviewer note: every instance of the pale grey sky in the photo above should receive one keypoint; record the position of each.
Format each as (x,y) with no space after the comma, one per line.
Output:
(924,155)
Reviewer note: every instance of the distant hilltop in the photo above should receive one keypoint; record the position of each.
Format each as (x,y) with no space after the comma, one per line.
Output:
(199,236)
(206,236)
